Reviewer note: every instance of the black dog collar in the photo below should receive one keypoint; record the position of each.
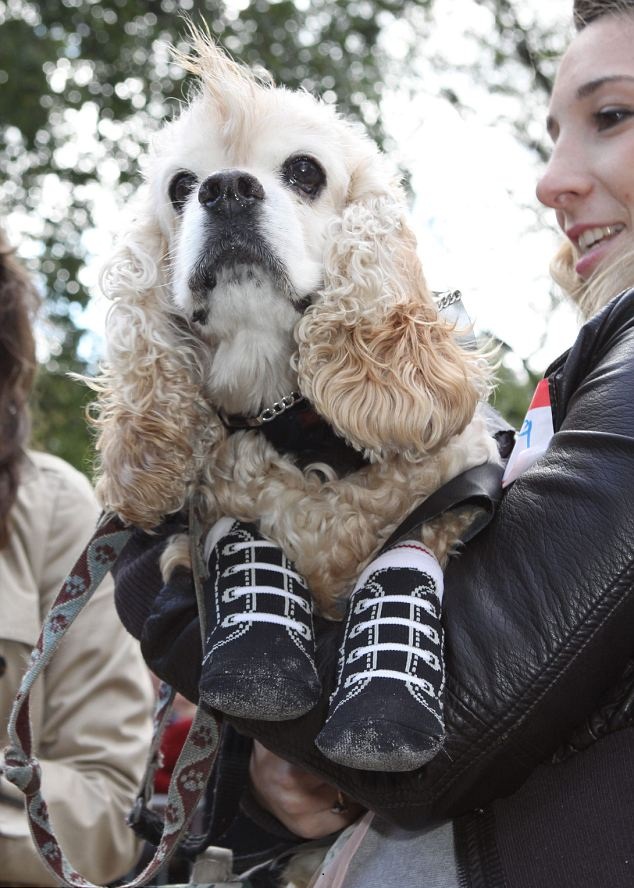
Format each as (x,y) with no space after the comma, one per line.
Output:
(233,421)
(298,430)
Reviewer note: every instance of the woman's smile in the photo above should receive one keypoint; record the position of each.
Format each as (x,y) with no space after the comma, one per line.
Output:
(593,243)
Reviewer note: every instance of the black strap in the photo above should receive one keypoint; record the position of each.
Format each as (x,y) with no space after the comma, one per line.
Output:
(480,486)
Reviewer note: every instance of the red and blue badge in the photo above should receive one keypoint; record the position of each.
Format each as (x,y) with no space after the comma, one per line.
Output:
(534,436)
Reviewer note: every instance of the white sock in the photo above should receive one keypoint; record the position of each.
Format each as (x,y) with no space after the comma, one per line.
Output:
(407,553)
(221,528)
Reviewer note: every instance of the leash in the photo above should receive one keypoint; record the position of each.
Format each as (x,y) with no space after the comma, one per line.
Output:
(21,768)
(193,767)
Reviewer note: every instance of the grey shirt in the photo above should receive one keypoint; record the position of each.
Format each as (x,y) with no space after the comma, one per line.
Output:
(389,856)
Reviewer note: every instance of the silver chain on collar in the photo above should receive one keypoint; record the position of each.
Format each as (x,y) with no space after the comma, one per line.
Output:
(269,413)
(447,298)
(278,407)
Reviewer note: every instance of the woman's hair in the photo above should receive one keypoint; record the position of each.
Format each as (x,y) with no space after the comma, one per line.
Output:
(18,300)
(587,11)
(591,295)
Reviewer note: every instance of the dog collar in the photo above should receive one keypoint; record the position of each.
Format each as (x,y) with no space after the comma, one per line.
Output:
(299,431)
(234,421)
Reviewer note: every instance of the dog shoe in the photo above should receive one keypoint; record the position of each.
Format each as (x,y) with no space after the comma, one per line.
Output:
(258,654)
(386,711)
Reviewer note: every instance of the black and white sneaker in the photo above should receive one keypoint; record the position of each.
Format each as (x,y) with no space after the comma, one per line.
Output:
(258,656)
(386,711)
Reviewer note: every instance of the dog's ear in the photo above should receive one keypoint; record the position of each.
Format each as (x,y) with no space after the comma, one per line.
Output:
(148,409)
(374,357)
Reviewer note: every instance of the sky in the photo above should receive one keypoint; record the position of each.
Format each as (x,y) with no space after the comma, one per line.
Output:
(477,232)
(474,210)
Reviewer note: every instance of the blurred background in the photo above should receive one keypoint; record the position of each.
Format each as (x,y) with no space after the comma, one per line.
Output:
(455,91)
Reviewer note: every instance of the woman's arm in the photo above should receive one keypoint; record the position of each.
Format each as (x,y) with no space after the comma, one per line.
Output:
(538,609)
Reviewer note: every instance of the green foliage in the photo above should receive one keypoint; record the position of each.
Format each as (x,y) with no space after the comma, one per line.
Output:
(514,387)
(102,67)
(58,407)
(84,83)
(513,395)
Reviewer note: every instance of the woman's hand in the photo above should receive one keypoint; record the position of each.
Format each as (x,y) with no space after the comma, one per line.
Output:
(305,804)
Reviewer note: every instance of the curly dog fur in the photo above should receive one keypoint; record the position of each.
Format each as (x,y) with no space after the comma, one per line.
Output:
(338,309)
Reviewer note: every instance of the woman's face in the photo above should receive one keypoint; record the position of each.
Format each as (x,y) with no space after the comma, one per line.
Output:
(589,180)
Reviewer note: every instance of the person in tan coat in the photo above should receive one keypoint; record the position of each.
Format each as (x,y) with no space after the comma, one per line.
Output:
(92,711)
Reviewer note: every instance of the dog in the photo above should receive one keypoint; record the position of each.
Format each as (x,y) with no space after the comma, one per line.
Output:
(274,351)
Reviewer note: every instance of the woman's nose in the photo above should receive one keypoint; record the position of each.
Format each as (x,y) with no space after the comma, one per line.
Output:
(564,179)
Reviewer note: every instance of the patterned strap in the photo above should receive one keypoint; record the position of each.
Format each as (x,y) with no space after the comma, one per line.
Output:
(141,814)
(20,766)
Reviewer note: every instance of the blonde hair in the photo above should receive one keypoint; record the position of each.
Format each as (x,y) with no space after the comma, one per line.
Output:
(587,11)
(591,295)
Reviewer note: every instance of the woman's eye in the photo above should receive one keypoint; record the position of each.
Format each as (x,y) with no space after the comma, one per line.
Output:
(305,174)
(609,117)
(180,188)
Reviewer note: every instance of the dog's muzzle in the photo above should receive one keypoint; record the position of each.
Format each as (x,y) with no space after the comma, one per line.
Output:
(232,200)
(230,193)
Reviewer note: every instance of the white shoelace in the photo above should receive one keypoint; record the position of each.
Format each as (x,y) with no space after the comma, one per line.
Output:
(431,659)
(240,591)
(415,600)
(257,617)
(393,674)
(414,625)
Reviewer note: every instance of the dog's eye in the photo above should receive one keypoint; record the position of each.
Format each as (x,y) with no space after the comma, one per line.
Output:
(304,173)
(180,188)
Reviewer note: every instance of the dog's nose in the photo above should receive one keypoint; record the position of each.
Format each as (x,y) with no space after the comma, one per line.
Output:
(230,191)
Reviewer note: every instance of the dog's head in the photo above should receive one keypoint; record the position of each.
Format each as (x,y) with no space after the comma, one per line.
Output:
(246,185)
(269,252)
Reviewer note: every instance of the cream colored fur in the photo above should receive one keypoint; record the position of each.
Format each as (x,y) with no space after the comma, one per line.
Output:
(370,352)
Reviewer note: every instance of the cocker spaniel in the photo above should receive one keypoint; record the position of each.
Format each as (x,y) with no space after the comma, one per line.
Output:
(274,351)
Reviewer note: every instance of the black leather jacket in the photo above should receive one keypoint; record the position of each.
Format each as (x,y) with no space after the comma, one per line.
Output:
(538,610)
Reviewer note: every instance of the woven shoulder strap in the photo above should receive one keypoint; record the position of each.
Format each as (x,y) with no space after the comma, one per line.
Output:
(21,768)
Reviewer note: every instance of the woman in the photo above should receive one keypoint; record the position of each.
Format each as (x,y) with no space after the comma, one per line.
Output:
(91,714)
(536,782)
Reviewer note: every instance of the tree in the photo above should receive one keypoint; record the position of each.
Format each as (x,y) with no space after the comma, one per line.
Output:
(513,389)
(521,65)
(83,83)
